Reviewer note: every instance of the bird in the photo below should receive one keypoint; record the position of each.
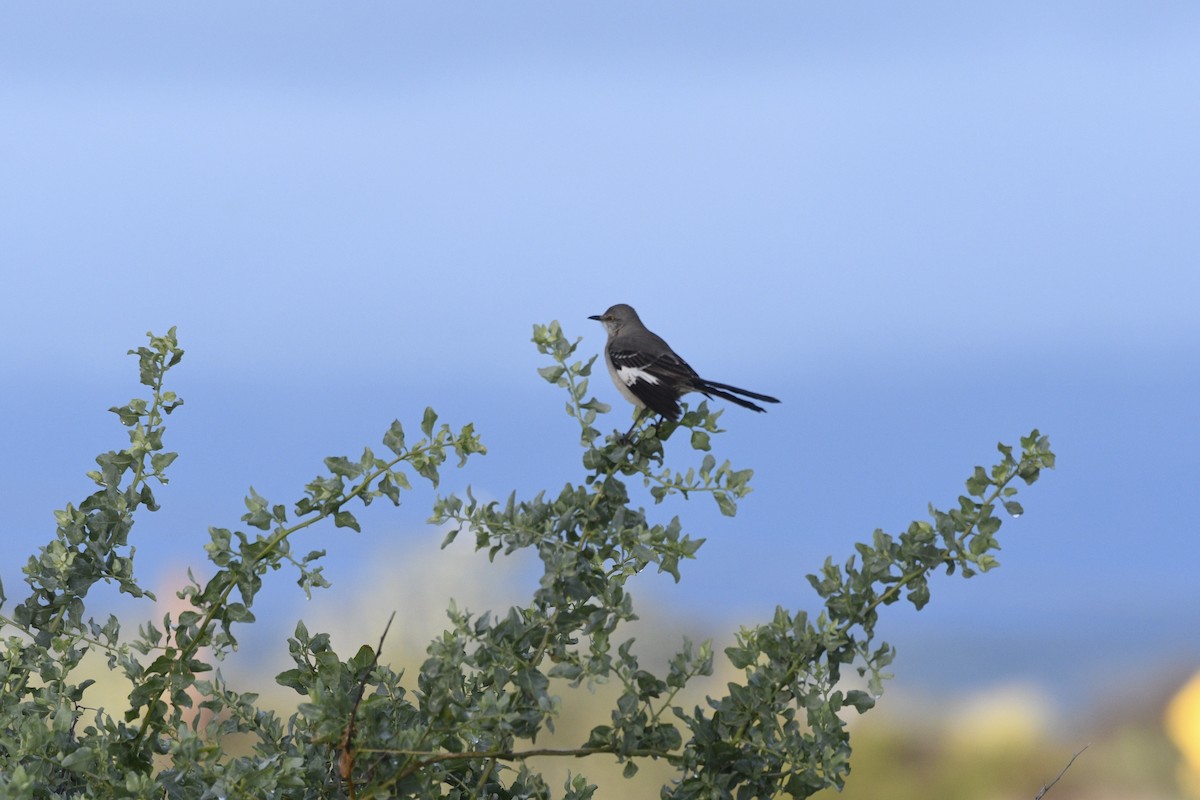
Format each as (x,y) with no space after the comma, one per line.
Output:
(652,376)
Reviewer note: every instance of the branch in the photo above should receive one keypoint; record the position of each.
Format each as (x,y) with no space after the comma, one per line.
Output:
(1048,786)
(429,757)
(347,755)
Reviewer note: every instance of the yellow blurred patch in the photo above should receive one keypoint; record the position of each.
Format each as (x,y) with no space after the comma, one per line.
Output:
(1183,726)
(1004,717)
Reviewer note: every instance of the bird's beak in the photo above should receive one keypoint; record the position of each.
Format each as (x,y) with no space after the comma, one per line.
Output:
(596,317)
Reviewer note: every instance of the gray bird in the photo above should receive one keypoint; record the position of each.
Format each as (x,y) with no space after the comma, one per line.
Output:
(649,374)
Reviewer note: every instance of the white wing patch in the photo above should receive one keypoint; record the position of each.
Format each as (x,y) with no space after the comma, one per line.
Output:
(631,375)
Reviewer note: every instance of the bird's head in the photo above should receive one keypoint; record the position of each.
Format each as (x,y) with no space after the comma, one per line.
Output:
(616,317)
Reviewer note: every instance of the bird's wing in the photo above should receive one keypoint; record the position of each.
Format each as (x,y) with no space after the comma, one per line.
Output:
(638,365)
(656,379)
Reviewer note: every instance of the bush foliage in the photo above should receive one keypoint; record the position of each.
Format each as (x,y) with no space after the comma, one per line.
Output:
(465,724)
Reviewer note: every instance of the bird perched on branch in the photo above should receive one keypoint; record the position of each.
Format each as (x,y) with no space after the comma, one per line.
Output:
(649,374)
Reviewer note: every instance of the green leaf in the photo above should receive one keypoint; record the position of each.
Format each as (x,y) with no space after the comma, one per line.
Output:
(725,503)
(601,736)
(394,438)
(390,490)
(293,679)
(918,593)
(344,519)
(78,760)
(427,422)
(131,414)
(740,657)
(978,483)
(340,465)
(862,701)
(700,440)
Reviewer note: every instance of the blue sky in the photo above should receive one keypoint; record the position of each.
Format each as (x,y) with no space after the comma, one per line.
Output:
(927,229)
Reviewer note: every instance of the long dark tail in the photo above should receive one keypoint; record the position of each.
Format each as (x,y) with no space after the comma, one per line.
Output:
(727,392)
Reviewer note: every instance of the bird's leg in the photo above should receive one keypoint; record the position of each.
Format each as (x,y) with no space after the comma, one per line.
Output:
(636,421)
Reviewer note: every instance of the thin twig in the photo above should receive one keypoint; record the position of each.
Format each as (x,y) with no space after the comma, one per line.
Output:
(347,755)
(1048,786)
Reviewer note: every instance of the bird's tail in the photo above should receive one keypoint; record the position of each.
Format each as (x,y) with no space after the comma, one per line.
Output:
(727,392)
